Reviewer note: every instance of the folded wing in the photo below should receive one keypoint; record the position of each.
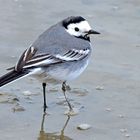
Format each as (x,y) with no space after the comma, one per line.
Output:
(29,58)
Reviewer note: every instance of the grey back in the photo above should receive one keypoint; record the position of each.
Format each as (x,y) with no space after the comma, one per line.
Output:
(56,40)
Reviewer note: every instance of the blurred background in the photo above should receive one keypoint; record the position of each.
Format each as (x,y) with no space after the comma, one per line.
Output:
(108,92)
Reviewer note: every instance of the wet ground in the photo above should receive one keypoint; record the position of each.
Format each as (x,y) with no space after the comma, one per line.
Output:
(107,94)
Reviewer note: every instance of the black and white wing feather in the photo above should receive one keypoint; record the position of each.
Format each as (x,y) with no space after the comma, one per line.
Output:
(29,58)
(73,55)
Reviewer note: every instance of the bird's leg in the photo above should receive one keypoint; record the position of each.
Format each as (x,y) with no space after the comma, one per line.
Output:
(64,88)
(44,96)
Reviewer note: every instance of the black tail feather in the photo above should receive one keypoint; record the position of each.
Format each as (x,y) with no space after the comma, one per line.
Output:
(11,76)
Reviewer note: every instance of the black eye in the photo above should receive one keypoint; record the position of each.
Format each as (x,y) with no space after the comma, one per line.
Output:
(76,29)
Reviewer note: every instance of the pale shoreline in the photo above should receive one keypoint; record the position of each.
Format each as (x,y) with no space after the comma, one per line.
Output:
(107,93)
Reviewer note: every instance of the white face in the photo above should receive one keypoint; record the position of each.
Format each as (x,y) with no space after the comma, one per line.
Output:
(78,29)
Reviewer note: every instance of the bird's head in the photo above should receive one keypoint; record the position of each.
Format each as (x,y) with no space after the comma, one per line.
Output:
(78,27)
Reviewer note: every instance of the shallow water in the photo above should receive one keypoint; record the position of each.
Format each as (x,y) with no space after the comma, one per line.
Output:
(107,93)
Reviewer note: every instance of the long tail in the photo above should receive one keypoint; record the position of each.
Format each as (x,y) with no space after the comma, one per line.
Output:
(11,76)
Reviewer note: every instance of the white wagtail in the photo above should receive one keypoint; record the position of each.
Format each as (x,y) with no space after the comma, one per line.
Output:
(60,54)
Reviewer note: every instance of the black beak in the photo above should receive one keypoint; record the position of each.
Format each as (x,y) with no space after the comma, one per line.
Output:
(93,32)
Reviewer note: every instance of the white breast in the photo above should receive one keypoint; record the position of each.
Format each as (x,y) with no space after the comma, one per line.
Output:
(66,74)
(58,73)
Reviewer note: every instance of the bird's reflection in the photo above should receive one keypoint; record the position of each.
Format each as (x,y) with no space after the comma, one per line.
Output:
(53,136)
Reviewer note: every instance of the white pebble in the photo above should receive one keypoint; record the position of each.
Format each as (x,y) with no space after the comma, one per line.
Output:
(99,88)
(108,109)
(28,93)
(127,135)
(83,126)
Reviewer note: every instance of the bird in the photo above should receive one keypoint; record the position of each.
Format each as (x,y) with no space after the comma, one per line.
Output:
(59,54)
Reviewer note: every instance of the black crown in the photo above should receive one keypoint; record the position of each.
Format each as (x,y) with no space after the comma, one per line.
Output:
(72,19)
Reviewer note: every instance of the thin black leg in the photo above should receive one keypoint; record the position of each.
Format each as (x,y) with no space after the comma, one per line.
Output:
(64,88)
(44,96)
